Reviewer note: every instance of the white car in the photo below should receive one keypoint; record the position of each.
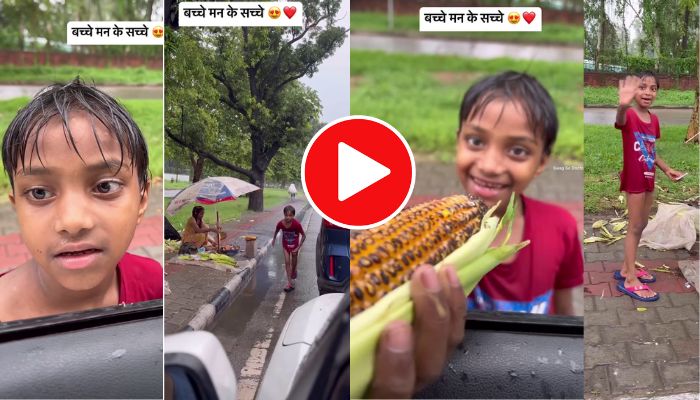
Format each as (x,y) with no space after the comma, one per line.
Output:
(310,361)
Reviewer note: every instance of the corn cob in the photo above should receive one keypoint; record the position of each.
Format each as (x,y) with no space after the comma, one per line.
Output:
(383,258)
(472,260)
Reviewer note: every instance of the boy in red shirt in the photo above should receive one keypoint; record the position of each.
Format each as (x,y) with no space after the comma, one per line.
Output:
(507,127)
(640,131)
(78,167)
(293,237)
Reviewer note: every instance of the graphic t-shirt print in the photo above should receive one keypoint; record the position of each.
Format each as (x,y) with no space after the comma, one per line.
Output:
(290,238)
(645,144)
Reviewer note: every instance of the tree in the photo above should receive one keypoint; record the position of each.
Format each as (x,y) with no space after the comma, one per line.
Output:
(190,99)
(694,125)
(256,72)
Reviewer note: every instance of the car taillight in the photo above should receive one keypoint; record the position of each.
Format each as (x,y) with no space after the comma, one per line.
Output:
(331,267)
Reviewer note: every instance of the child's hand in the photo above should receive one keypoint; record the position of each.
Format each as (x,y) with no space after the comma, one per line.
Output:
(674,175)
(409,357)
(628,89)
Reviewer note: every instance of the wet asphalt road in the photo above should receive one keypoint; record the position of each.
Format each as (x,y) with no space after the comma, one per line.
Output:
(250,327)
(465,48)
(121,92)
(667,116)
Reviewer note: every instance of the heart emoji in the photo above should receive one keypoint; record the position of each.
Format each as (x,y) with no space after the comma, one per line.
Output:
(528,16)
(290,11)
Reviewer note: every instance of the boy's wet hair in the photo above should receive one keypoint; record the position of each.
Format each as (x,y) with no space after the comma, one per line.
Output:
(288,210)
(644,74)
(520,89)
(59,101)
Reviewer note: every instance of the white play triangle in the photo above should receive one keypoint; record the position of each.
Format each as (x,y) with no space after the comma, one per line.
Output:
(356,171)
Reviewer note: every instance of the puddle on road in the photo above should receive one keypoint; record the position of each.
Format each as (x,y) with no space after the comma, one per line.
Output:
(233,320)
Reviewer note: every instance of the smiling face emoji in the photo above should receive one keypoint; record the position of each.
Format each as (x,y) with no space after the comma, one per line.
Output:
(514,17)
(158,32)
(274,12)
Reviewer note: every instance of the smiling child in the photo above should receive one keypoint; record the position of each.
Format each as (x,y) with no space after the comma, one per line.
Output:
(78,167)
(507,127)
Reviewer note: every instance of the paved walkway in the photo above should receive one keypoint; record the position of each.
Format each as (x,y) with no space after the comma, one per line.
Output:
(193,286)
(147,241)
(634,348)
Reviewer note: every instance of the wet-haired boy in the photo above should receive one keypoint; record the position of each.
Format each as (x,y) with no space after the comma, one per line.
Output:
(78,168)
(507,127)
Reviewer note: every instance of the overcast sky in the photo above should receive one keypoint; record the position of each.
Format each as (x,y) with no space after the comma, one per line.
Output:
(332,81)
(630,16)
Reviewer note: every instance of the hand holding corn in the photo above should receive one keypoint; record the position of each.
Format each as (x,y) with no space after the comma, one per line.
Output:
(409,357)
(453,231)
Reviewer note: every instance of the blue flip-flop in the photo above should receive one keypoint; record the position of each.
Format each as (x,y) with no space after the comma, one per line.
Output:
(630,291)
(617,275)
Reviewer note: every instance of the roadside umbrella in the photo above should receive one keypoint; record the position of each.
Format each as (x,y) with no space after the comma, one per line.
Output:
(211,191)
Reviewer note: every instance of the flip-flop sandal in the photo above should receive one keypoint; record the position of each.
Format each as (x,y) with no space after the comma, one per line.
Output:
(630,291)
(640,273)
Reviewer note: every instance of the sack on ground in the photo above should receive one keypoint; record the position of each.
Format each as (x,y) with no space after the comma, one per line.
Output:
(675,226)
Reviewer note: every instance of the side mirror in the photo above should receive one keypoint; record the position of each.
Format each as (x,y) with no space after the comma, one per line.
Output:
(197,367)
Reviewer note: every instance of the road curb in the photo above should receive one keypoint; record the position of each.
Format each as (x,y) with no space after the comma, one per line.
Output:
(207,313)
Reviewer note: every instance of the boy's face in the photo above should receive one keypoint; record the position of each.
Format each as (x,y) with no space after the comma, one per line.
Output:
(647,92)
(288,217)
(498,154)
(77,217)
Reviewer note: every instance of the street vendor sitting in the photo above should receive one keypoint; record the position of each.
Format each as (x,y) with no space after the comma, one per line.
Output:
(195,234)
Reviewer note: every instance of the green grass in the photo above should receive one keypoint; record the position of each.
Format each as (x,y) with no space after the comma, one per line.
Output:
(176,185)
(229,210)
(420,95)
(607,96)
(552,33)
(148,114)
(10,74)
(603,161)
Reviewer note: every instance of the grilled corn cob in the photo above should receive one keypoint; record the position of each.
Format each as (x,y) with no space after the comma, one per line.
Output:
(383,258)
(472,261)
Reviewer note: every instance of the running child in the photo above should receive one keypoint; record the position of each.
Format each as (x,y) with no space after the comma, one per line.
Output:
(293,237)
(640,132)
(78,168)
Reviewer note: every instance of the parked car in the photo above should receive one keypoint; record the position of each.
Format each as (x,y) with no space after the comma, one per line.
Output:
(113,352)
(311,359)
(503,355)
(332,258)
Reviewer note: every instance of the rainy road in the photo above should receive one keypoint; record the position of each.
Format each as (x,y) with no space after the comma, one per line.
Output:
(667,116)
(466,48)
(250,327)
(121,92)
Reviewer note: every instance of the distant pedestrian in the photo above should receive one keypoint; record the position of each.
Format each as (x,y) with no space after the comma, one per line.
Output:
(292,191)
(293,237)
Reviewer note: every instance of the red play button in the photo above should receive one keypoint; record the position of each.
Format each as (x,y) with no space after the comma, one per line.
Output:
(358,172)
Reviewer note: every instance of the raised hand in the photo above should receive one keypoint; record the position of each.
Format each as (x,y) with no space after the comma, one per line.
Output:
(628,88)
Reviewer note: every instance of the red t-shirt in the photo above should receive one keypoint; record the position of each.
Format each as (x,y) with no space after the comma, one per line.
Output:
(290,236)
(553,260)
(140,279)
(638,152)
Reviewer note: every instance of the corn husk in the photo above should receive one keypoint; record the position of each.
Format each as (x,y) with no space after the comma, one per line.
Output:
(472,260)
